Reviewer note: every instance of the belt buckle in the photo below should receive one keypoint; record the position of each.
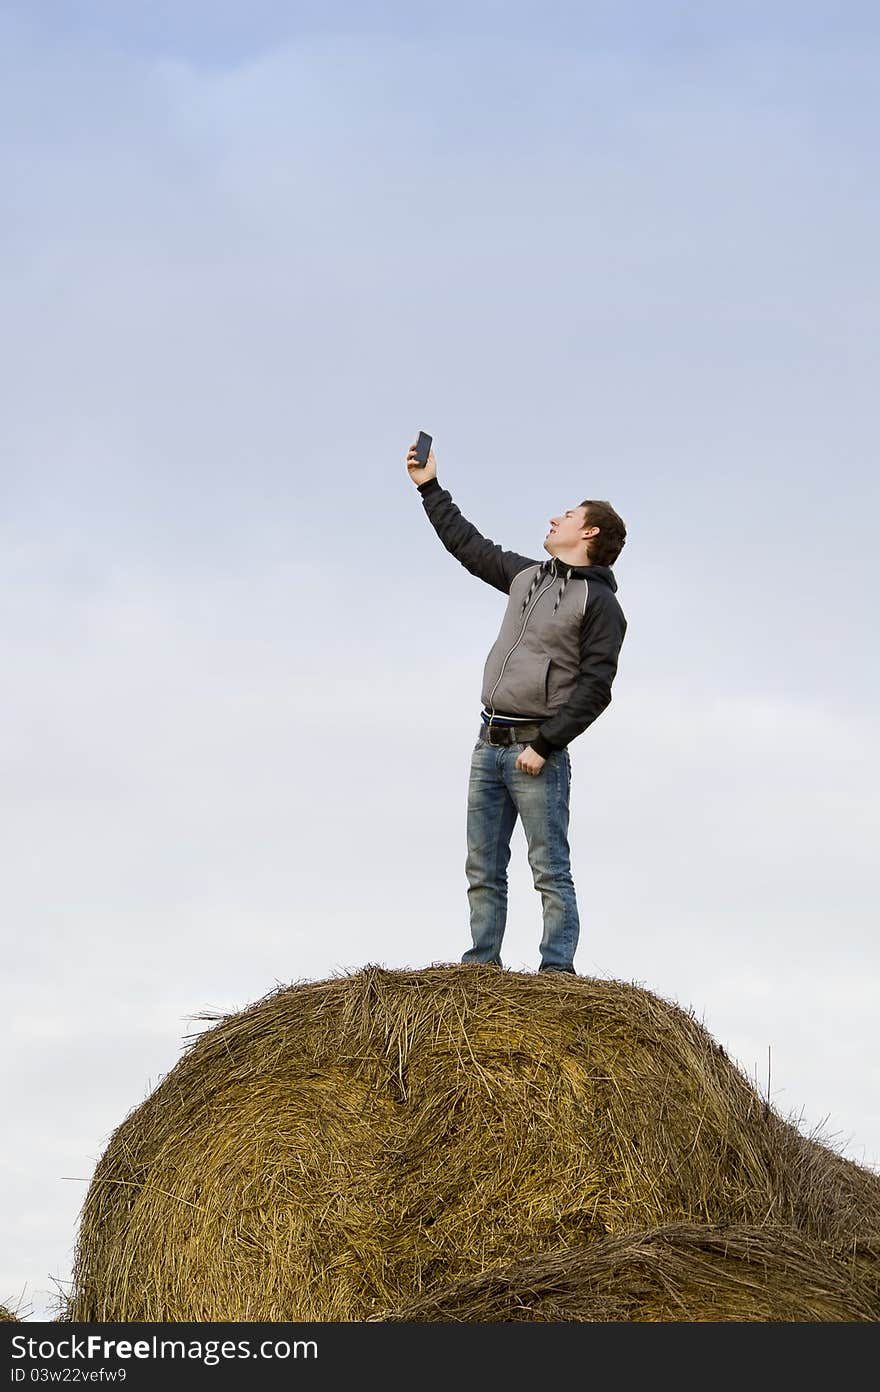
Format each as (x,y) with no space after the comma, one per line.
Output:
(501,729)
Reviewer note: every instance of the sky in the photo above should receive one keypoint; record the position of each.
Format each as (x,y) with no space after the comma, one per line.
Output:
(623,251)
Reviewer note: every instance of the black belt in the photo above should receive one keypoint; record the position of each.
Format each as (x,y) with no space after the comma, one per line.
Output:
(509,734)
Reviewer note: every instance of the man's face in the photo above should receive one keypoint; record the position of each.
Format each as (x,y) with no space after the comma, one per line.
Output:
(567,531)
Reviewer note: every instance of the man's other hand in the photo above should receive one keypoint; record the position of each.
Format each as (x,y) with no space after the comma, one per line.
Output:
(530,762)
(416,472)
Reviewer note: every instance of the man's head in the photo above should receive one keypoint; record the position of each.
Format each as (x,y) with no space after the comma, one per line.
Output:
(591,534)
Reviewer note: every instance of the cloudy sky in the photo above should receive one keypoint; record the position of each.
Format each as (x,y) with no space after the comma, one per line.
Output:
(622,250)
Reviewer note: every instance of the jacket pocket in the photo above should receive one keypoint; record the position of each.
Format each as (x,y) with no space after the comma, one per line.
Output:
(538,692)
(557,684)
(523,688)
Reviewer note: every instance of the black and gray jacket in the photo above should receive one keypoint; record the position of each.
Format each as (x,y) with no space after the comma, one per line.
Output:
(556,654)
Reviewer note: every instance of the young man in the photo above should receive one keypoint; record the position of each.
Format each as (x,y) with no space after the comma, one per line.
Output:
(547,677)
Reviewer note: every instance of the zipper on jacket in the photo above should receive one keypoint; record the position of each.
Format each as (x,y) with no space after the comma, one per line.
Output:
(543,590)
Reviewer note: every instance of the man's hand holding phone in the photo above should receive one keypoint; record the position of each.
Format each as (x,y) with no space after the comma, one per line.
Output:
(420,460)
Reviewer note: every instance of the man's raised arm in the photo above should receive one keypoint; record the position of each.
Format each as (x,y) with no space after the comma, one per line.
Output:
(476,553)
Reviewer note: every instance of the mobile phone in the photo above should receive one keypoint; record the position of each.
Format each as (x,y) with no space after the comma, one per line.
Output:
(423,446)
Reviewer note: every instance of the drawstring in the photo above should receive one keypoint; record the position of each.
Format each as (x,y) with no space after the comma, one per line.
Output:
(536,580)
(543,570)
(565,580)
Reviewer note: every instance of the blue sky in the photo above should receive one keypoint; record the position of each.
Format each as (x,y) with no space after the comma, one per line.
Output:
(622,251)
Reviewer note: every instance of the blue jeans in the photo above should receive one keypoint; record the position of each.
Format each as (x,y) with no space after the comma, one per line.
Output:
(499,792)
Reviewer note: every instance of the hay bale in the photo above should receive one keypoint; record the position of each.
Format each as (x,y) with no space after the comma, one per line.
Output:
(342,1147)
(693,1273)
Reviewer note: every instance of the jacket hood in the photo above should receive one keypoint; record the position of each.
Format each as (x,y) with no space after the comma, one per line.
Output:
(555,569)
(591,572)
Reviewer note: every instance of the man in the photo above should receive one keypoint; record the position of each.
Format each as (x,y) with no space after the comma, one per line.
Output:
(547,677)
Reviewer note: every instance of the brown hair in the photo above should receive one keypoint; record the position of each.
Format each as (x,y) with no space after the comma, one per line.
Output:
(607,546)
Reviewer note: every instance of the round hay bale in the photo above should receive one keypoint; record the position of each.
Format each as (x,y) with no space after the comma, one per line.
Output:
(693,1273)
(342,1147)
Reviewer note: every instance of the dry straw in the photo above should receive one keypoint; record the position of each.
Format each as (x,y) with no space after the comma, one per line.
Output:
(344,1148)
(686,1272)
